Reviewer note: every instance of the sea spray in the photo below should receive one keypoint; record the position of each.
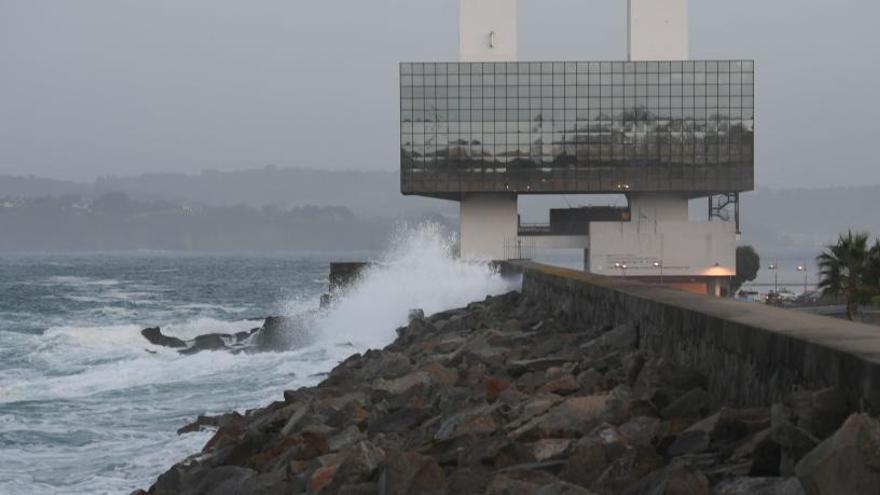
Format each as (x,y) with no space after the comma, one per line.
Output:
(419,270)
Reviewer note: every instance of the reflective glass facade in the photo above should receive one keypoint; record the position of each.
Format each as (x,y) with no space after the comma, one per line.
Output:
(553,127)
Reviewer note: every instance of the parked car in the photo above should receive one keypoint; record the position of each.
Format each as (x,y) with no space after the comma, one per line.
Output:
(779,297)
(749,295)
(786,295)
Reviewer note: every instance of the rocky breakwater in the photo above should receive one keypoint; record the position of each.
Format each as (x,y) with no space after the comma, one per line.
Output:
(501,397)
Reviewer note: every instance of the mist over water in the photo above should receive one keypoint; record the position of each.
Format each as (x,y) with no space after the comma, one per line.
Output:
(85,409)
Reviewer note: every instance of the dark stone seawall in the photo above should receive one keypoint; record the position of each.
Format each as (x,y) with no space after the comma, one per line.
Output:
(751,354)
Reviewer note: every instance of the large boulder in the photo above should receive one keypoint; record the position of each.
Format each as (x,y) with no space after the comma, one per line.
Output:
(759,486)
(155,336)
(678,478)
(207,342)
(281,333)
(573,417)
(846,462)
(405,473)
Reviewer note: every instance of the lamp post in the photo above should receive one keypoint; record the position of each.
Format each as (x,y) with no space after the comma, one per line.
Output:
(773,267)
(803,268)
(659,264)
(622,267)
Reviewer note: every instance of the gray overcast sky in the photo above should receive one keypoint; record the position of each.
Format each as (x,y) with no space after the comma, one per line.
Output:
(119,87)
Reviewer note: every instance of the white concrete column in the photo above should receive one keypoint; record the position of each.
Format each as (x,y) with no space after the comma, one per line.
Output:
(657,29)
(487,30)
(488,223)
(487,33)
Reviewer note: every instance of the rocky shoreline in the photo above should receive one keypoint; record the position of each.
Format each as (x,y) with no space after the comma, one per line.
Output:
(503,397)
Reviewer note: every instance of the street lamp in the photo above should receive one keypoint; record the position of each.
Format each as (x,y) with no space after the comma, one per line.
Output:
(623,267)
(773,267)
(803,268)
(659,264)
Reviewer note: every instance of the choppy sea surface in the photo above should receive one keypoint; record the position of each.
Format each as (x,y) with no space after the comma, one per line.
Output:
(85,408)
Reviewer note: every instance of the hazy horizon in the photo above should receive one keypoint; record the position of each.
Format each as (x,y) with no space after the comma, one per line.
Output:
(120,88)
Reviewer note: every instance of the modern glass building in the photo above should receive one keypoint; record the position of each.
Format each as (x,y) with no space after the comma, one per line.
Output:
(577,127)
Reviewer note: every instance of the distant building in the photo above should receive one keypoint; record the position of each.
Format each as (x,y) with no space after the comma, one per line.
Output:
(658,127)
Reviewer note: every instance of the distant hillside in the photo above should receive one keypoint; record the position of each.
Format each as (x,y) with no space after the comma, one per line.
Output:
(115,222)
(771,218)
(368,194)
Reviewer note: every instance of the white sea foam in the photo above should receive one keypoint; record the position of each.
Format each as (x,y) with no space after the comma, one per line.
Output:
(418,271)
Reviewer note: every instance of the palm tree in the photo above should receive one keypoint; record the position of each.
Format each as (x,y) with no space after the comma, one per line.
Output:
(844,270)
(873,272)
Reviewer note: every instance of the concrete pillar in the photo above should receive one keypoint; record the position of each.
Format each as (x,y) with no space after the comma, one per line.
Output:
(487,33)
(657,29)
(488,224)
(487,30)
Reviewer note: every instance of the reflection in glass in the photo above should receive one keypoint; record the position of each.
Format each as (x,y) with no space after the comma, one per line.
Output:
(586,126)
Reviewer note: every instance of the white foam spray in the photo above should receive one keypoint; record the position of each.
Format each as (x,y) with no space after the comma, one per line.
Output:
(418,271)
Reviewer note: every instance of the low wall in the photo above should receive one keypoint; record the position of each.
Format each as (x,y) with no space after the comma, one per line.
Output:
(752,354)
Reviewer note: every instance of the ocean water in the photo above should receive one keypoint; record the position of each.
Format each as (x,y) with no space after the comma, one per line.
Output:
(84,408)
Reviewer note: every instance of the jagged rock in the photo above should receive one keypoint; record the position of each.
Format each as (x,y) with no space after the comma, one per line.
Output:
(519,482)
(693,404)
(519,367)
(440,373)
(400,385)
(573,417)
(206,422)
(416,314)
(563,488)
(479,421)
(207,342)
(846,462)
(794,443)
(368,488)
(345,438)
(564,385)
(675,479)
(384,364)
(360,463)
(154,336)
(593,453)
(624,336)
(642,430)
(689,442)
(405,473)
(820,412)
(281,333)
(632,465)
(550,448)
(468,479)
(759,486)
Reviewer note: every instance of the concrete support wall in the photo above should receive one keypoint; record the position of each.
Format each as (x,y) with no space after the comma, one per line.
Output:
(659,232)
(487,30)
(751,354)
(682,247)
(658,30)
(488,221)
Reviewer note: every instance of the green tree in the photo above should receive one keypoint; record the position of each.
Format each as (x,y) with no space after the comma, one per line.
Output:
(845,269)
(747,265)
(873,272)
